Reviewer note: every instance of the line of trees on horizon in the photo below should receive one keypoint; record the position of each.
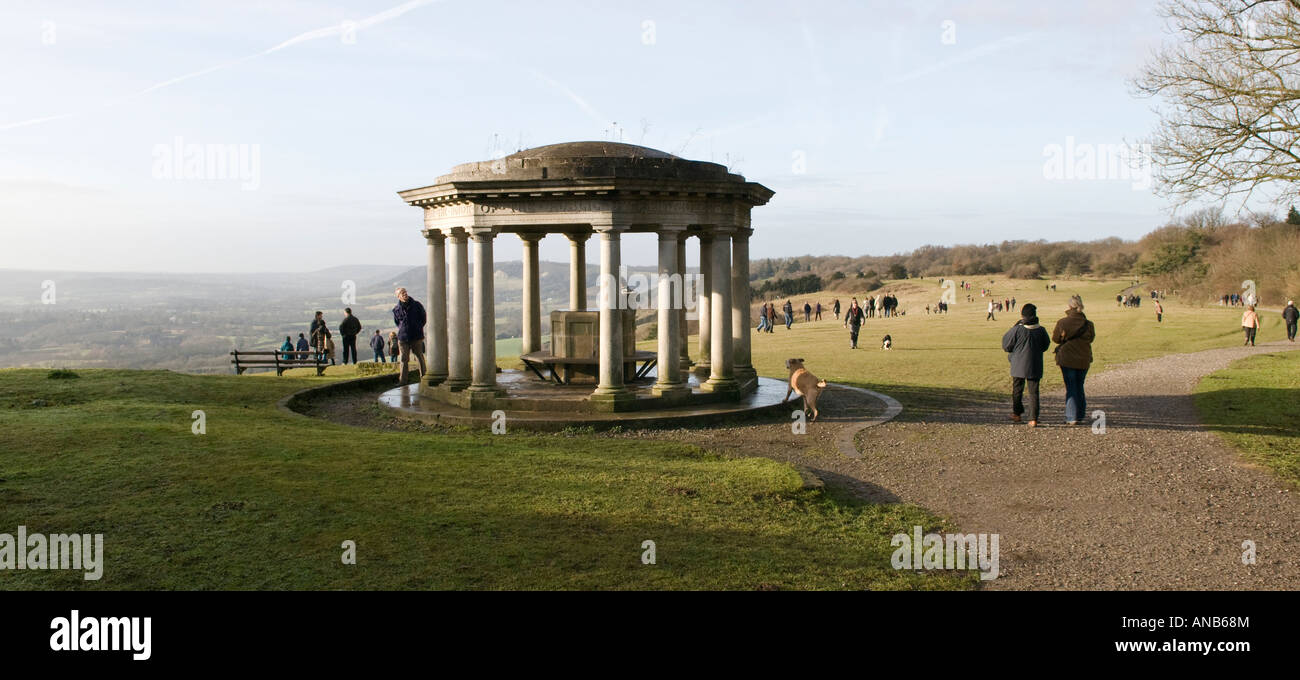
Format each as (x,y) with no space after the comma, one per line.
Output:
(1202,255)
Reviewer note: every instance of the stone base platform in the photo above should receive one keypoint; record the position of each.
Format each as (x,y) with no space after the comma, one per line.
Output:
(533,404)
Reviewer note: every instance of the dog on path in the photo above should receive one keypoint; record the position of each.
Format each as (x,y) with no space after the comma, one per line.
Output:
(805,384)
(886,342)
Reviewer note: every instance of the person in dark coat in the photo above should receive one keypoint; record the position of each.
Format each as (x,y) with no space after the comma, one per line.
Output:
(1073,336)
(409,317)
(853,320)
(788,309)
(349,328)
(377,344)
(1290,315)
(1024,344)
(303,346)
(320,337)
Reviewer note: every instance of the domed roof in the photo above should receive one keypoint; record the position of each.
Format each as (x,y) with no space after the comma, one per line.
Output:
(588,161)
(591,150)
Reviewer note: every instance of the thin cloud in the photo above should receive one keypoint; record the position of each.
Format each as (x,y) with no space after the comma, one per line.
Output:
(965,57)
(326,32)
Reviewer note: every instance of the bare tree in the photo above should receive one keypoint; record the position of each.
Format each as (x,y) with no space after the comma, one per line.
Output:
(1229,85)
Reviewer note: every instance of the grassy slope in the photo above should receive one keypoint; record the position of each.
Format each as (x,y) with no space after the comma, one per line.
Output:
(1254,404)
(264,499)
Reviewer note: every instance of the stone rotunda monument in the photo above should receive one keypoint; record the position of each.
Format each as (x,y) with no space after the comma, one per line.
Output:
(574,191)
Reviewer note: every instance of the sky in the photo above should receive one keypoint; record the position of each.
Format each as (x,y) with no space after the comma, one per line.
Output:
(881,126)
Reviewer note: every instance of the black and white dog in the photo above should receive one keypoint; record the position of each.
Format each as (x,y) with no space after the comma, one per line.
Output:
(886,342)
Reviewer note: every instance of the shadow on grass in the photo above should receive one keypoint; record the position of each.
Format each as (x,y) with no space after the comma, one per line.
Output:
(1259,411)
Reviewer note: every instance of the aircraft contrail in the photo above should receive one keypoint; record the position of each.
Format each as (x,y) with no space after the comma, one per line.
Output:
(325,32)
(978,52)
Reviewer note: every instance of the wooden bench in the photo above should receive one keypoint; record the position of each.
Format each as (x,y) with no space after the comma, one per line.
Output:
(535,361)
(300,359)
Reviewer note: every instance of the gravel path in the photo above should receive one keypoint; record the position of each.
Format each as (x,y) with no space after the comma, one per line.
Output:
(1155,502)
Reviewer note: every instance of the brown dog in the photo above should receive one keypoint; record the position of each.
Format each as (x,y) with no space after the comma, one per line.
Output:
(805,384)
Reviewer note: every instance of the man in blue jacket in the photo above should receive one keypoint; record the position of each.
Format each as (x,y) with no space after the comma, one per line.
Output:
(409,317)
(1024,345)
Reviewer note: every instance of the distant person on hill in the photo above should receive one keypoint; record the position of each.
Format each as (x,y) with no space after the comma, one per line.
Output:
(853,320)
(837,309)
(392,346)
(762,318)
(1250,324)
(990,316)
(349,328)
(771,317)
(1160,312)
(817,311)
(409,316)
(377,344)
(789,314)
(303,346)
(1073,336)
(807,312)
(1024,345)
(287,348)
(1119,300)
(1290,315)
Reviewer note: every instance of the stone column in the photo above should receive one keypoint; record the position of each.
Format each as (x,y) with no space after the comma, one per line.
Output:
(436,331)
(484,341)
(684,343)
(741,325)
(578,271)
(532,297)
(611,388)
(721,367)
(703,308)
(458,369)
(671,297)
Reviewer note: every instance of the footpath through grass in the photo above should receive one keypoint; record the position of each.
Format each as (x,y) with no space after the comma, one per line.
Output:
(1254,404)
(265,499)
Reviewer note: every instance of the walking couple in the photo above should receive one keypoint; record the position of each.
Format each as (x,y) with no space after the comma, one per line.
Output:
(1025,344)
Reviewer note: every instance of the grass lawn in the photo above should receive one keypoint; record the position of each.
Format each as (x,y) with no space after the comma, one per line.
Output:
(1254,404)
(265,499)
(940,360)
